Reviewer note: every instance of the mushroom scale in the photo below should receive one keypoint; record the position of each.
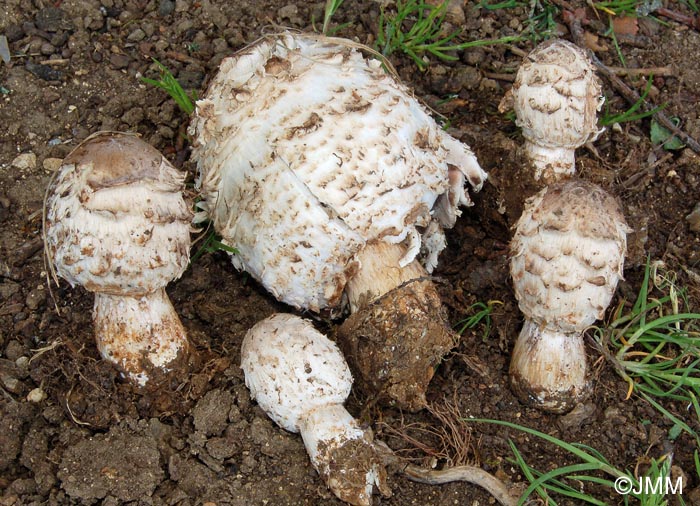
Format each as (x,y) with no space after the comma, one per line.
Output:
(567,256)
(307,151)
(300,379)
(556,96)
(334,185)
(117,224)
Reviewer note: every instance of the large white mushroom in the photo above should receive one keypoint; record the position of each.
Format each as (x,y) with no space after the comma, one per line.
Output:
(117,224)
(567,258)
(300,379)
(556,96)
(334,184)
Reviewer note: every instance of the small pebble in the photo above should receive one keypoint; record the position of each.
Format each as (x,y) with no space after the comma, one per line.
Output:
(35,299)
(47,49)
(288,11)
(52,19)
(119,61)
(693,219)
(166,7)
(37,395)
(25,161)
(136,36)
(51,164)
(44,72)
(13,32)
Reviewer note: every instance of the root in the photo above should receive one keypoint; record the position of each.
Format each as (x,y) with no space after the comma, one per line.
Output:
(504,494)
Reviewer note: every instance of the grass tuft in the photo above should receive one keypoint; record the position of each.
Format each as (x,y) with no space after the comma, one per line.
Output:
(416,29)
(172,87)
(592,471)
(655,345)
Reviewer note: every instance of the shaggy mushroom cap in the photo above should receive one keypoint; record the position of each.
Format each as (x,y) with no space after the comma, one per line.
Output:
(556,97)
(567,255)
(300,379)
(117,224)
(116,221)
(307,151)
(291,369)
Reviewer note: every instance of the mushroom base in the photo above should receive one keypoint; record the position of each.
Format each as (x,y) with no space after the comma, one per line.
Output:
(548,369)
(142,336)
(344,454)
(394,344)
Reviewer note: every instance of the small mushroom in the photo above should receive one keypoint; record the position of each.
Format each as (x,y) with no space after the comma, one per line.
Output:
(117,224)
(334,185)
(556,97)
(567,257)
(300,379)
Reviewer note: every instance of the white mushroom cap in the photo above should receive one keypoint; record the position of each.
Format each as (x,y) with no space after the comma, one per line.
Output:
(300,379)
(568,255)
(556,97)
(116,221)
(291,369)
(307,151)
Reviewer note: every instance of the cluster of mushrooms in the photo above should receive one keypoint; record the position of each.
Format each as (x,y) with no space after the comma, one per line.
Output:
(336,201)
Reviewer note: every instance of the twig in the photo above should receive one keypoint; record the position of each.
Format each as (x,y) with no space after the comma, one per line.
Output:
(181,57)
(628,93)
(653,71)
(505,495)
(691,21)
(499,76)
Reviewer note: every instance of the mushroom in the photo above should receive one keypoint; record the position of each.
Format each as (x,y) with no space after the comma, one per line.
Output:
(300,379)
(117,224)
(556,97)
(567,257)
(334,185)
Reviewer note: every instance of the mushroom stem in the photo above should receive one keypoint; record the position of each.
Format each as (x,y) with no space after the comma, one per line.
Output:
(343,454)
(380,271)
(398,331)
(548,368)
(142,335)
(550,163)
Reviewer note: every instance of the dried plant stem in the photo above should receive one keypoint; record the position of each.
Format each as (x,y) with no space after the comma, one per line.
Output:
(505,495)
(577,32)
(652,71)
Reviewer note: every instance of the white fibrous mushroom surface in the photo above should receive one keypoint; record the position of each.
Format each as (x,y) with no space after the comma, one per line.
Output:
(307,151)
(291,369)
(117,223)
(556,96)
(567,257)
(568,254)
(301,380)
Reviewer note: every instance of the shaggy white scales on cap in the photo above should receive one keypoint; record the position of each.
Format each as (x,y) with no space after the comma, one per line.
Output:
(307,151)
(556,96)
(316,165)
(567,257)
(117,224)
(300,379)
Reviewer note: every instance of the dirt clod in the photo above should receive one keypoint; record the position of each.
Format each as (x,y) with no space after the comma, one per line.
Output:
(121,463)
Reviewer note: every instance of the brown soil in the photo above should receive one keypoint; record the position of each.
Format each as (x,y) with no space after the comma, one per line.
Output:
(87,437)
